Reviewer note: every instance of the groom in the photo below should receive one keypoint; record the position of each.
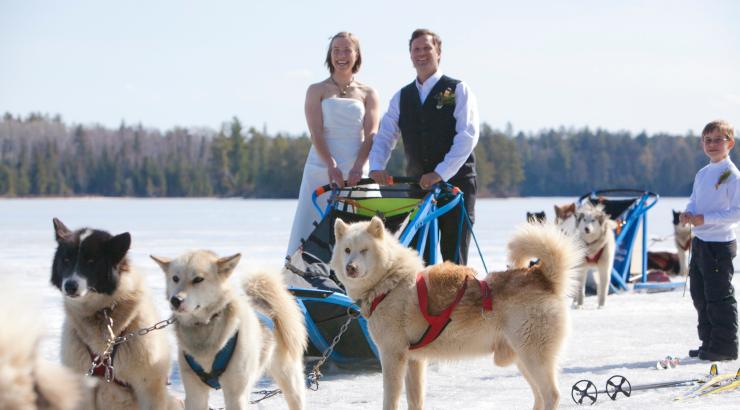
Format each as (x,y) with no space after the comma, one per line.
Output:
(437,116)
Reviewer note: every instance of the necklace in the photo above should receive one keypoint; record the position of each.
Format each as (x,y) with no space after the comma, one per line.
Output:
(342,90)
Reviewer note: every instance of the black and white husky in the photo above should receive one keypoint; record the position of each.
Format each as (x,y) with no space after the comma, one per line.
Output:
(91,270)
(682,235)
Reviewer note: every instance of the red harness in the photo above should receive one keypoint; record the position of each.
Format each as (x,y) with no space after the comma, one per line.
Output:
(687,246)
(438,323)
(596,257)
(376,302)
(99,370)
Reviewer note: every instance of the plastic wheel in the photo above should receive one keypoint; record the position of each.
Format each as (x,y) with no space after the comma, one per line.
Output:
(618,384)
(584,390)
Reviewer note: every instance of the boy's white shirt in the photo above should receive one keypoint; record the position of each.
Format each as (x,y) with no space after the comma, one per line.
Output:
(720,205)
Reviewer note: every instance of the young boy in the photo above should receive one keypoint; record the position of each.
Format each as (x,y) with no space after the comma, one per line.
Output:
(714,210)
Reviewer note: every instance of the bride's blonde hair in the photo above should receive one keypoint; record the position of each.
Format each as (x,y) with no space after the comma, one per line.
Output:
(355,43)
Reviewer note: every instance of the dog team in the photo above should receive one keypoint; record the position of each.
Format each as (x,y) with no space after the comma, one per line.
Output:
(227,338)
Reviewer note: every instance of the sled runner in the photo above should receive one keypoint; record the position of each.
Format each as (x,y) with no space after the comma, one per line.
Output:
(408,211)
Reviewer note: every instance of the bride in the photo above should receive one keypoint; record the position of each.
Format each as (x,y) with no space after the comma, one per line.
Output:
(342,116)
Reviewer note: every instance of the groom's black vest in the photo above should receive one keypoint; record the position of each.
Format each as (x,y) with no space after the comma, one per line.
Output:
(429,129)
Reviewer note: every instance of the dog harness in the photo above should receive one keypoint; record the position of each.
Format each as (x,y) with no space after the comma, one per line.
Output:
(223,357)
(438,323)
(685,247)
(596,257)
(99,369)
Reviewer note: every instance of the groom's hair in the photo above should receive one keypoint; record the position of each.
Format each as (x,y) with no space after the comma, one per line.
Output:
(355,43)
(426,32)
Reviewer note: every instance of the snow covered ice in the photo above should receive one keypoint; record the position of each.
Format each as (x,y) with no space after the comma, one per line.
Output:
(627,337)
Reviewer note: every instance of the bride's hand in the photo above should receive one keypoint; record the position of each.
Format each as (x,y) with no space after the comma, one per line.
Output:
(335,177)
(355,175)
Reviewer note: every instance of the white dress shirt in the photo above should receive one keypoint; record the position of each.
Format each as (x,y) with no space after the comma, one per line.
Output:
(720,204)
(467,129)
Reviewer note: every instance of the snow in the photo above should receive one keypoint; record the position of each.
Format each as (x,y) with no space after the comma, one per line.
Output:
(626,338)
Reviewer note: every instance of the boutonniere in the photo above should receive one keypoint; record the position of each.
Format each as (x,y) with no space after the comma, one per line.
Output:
(446,97)
(722,178)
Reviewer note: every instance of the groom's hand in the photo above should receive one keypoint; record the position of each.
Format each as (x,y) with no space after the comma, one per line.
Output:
(427,180)
(381,177)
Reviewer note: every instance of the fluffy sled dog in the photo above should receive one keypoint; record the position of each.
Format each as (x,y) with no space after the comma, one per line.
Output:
(212,319)
(683,236)
(596,232)
(91,270)
(565,217)
(526,324)
(26,380)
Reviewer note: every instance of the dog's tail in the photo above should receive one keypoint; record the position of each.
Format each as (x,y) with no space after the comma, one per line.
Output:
(269,291)
(558,253)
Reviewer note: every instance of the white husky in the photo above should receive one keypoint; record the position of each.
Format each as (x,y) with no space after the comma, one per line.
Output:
(226,340)
(596,231)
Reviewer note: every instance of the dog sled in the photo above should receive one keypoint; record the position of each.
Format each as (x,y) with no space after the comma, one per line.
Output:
(407,211)
(629,208)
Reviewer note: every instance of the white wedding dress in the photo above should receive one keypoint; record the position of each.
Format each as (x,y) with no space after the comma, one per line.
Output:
(343,132)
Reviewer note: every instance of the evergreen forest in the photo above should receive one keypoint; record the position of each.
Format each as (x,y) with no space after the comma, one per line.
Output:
(40,155)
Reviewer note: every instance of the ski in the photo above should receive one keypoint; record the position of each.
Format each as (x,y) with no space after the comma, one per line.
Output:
(714,381)
(725,386)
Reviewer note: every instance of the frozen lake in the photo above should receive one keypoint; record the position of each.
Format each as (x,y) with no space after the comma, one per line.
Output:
(627,337)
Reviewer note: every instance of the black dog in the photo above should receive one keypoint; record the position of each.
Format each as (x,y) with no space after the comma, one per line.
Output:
(536,217)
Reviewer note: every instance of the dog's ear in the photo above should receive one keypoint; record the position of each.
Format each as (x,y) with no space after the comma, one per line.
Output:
(117,247)
(676,217)
(163,262)
(601,217)
(61,232)
(340,228)
(558,211)
(376,227)
(227,264)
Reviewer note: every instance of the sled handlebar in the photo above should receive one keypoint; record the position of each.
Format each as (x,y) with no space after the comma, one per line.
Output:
(366,181)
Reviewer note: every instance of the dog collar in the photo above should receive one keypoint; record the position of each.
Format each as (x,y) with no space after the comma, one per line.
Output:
(376,302)
(215,315)
(596,257)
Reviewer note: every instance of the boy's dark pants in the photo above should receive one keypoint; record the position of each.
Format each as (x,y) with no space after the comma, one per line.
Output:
(711,272)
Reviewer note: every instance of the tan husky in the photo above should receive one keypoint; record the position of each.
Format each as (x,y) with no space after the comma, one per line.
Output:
(232,338)
(525,322)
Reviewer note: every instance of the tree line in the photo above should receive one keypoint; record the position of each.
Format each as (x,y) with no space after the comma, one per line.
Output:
(40,155)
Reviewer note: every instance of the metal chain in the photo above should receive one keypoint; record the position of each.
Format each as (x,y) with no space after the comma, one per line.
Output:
(315,375)
(141,332)
(104,359)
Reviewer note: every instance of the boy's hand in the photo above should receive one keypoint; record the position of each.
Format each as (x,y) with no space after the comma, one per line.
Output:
(697,220)
(685,217)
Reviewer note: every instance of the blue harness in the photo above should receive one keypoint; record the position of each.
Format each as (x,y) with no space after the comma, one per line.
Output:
(223,357)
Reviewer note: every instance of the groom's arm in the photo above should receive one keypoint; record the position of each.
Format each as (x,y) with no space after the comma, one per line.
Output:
(387,137)
(467,130)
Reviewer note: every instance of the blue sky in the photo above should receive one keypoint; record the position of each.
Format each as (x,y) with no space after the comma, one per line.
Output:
(659,66)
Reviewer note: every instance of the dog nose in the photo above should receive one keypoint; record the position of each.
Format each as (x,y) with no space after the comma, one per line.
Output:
(175,301)
(351,269)
(587,229)
(71,287)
